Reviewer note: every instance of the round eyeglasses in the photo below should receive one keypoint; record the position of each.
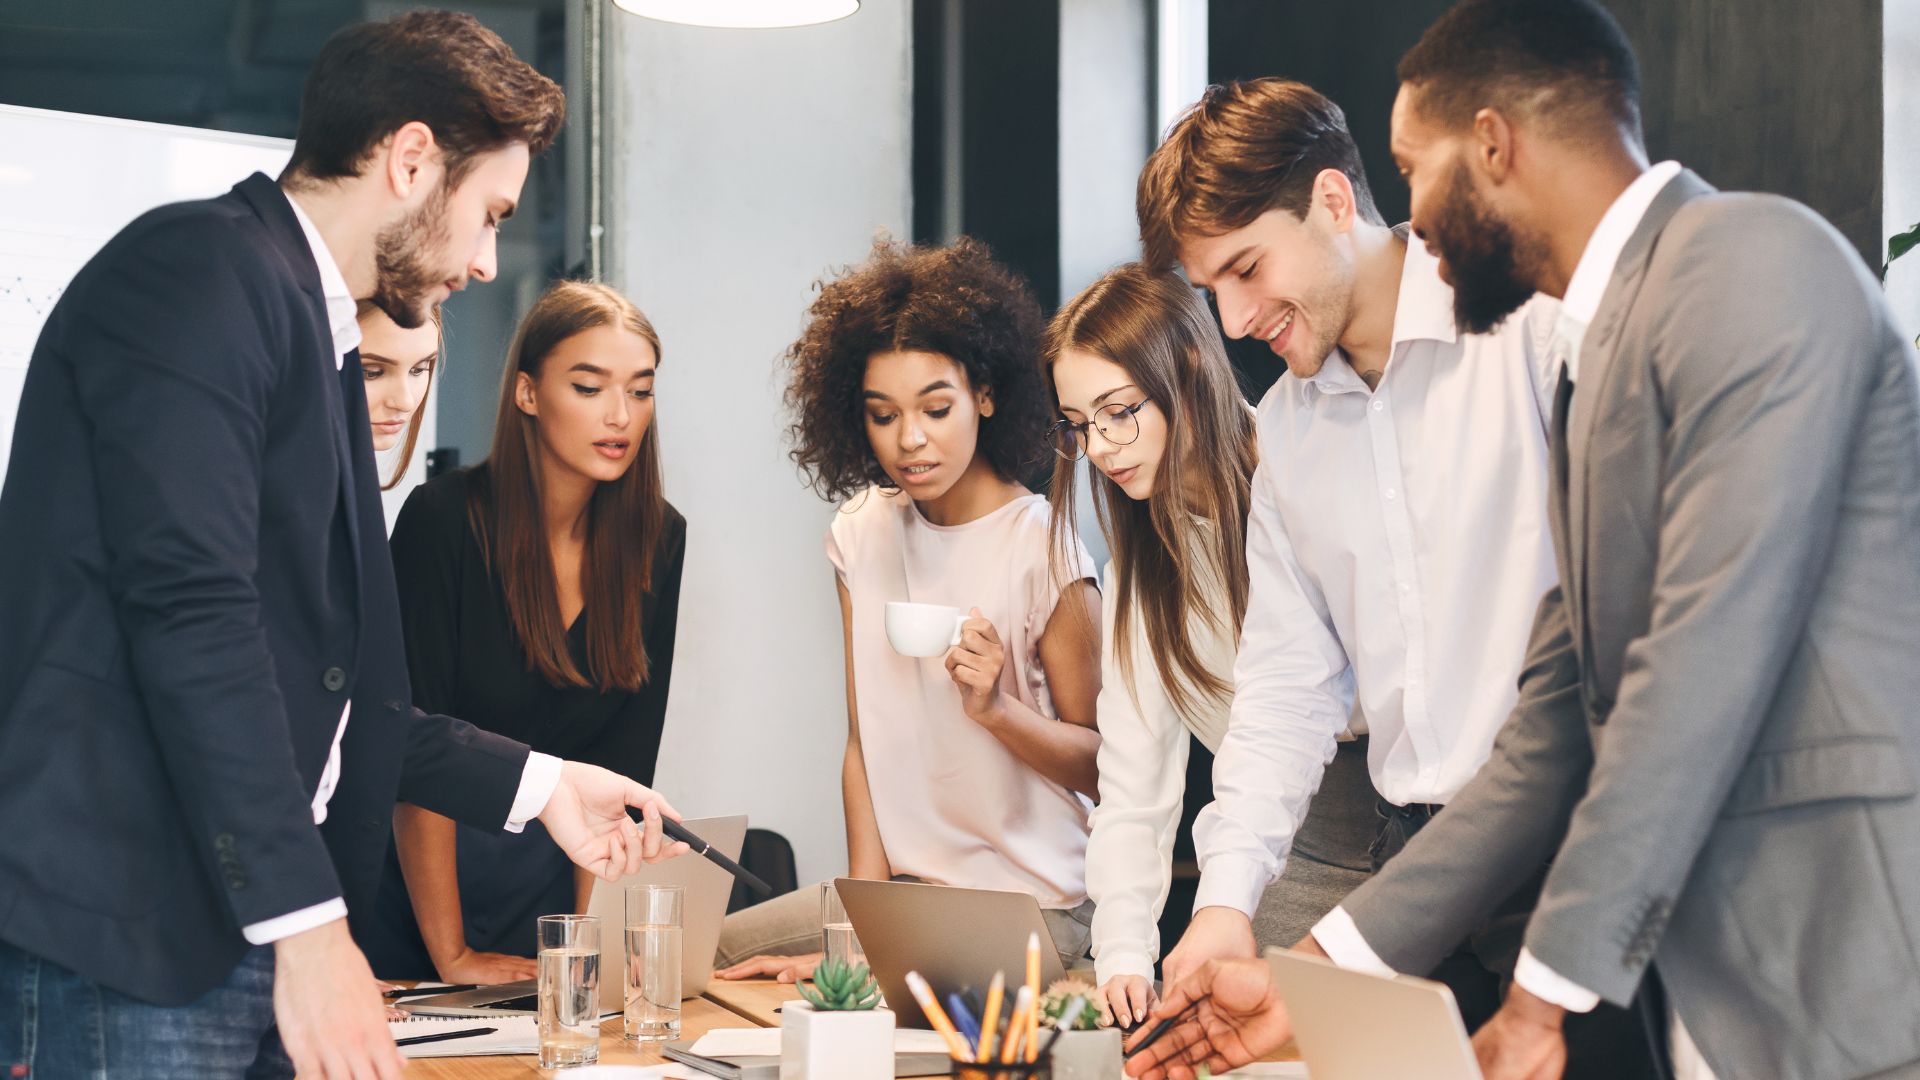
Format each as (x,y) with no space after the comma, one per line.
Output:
(1118,424)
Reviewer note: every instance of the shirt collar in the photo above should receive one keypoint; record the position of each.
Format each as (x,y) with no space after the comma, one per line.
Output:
(1423,312)
(1595,268)
(1425,308)
(341,309)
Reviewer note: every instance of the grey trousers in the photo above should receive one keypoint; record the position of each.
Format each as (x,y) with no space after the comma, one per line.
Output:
(790,925)
(1330,852)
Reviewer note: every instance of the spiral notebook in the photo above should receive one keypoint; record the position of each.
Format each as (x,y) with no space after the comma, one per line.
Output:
(510,1035)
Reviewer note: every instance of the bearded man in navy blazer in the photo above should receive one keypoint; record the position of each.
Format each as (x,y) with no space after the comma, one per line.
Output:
(196,586)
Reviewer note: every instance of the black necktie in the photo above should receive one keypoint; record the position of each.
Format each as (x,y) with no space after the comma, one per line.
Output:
(1562,404)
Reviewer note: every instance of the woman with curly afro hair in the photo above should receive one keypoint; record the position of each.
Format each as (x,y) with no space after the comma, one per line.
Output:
(917,406)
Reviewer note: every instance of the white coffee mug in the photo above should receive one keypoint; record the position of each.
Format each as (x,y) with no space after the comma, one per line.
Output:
(923,629)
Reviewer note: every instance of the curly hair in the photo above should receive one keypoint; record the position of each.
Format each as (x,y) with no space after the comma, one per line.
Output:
(955,301)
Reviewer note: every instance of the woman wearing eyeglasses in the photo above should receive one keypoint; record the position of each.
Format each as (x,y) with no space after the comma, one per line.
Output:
(1138,373)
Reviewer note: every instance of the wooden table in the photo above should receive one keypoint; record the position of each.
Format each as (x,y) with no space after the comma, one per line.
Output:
(757,1000)
(726,1004)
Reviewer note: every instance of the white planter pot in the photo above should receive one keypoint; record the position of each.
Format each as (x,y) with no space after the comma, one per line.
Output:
(1087,1055)
(835,1045)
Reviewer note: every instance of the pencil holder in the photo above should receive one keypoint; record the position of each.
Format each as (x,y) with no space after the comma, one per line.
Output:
(987,1071)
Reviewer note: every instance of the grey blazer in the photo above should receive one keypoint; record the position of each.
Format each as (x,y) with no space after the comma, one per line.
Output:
(1718,729)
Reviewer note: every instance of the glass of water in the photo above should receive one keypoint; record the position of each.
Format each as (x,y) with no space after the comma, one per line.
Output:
(569,990)
(836,929)
(654,930)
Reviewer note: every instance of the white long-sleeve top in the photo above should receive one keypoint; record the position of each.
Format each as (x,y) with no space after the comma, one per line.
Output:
(1143,770)
(1397,548)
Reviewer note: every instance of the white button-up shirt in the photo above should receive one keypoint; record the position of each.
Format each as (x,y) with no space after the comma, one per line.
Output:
(540,775)
(1337,933)
(1397,548)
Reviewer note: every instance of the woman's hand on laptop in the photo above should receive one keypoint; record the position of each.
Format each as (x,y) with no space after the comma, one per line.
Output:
(1125,999)
(484,968)
(587,817)
(786,969)
(1237,1017)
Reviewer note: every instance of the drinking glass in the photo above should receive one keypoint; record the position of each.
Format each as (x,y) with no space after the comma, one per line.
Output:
(569,961)
(654,931)
(836,930)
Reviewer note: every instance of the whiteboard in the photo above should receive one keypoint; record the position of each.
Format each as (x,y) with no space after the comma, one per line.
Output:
(68,183)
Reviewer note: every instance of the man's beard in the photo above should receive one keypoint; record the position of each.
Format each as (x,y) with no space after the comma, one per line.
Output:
(1490,266)
(402,254)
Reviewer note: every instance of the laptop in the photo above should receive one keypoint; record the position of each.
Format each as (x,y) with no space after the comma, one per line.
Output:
(1336,1022)
(707,889)
(957,938)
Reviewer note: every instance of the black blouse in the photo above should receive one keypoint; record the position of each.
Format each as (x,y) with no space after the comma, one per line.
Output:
(466,661)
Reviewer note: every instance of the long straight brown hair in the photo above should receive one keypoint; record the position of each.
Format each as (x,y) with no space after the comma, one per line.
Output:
(624,516)
(1154,326)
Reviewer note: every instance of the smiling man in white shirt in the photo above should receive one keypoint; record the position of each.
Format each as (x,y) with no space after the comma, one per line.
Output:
(1397,546)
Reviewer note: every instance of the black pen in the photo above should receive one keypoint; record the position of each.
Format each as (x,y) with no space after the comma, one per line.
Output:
(415,1040)
(1162,1028)
(422,991)
(677,831)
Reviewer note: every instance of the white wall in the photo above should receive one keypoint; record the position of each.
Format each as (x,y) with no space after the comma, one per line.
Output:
(744,164)
(1900,198)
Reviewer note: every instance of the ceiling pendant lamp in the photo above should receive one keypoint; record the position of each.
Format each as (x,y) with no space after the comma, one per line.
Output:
(742,14)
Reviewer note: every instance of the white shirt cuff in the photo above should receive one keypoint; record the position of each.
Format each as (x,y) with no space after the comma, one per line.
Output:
(1548,985)
(294,922)
(1231,881)
(1112,963)
(537,782)
(1340,938)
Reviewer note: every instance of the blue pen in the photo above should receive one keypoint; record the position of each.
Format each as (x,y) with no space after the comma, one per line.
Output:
(963,1019)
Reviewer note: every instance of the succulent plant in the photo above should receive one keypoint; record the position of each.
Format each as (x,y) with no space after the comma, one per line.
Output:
(1054,1002)
(841,987)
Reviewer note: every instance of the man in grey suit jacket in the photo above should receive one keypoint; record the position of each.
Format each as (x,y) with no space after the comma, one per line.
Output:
(1716,738)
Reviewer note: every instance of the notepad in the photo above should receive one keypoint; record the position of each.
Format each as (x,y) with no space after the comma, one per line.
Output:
(511,1035)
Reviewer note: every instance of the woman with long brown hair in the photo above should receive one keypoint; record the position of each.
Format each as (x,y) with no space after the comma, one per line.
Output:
(539,592)
(1137,372)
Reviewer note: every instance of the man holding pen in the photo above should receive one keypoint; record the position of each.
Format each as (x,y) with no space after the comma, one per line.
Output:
(197,586)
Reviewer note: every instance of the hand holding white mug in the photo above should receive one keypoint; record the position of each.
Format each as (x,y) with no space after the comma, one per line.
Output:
(975,664)
(923,630)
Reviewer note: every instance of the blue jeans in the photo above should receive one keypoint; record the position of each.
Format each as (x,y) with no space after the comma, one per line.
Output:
(55,1025)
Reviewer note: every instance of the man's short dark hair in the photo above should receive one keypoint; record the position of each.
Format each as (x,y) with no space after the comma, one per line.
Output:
(1244,149)
(442,68)
(1564,61)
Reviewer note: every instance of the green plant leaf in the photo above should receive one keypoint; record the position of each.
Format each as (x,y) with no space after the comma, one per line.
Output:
(1899,244)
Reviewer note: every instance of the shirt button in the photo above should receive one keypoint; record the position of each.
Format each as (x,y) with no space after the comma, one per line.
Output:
(1389,493)
(1378,405)
(333,679)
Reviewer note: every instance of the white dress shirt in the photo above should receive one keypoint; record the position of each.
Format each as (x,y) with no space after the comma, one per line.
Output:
(1143,778)
(542,771)
(1337,933)
(1397,548)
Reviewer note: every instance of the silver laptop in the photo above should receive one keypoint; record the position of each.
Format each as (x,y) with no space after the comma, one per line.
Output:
(1336,1022)
(707,888)
(957,938)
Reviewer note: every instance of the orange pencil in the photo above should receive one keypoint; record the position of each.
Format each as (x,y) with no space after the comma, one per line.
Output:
(1016,1027)
(996,992)
(1032,1031)
(937,1016)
